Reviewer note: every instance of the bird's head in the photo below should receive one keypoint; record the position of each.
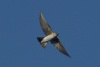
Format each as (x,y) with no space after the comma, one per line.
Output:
(57,33)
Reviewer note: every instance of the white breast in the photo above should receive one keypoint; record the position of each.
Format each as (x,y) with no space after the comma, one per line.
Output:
(49,37)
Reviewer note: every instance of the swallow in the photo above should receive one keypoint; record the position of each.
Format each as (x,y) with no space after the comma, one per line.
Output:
(50,36)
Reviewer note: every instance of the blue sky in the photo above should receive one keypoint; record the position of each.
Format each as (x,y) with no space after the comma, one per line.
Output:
(78,24)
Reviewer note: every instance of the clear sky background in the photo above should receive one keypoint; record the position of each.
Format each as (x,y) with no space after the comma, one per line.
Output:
(78,24)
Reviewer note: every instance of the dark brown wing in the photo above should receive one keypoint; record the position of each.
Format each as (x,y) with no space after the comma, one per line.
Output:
(59,46)
(45,26)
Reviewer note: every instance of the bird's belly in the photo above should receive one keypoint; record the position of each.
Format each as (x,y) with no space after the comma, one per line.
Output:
(48,38)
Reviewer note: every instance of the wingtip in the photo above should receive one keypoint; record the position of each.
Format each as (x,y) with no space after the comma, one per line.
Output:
(40,12)
(68,55)
(41,15)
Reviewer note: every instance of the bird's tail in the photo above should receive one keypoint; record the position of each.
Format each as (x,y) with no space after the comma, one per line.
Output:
(42,44)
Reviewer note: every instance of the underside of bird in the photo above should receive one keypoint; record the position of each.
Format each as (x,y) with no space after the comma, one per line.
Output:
(50,36)
(43,40)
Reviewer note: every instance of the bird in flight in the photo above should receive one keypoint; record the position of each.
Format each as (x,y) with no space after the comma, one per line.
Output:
(50,36)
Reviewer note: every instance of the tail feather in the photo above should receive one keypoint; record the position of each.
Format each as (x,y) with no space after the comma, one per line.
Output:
(40,38)
(42,44)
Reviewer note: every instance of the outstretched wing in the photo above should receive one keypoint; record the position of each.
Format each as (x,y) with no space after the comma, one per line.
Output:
(59,46)
(45,26)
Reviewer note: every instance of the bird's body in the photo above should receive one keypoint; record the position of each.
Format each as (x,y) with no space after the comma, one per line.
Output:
(50,36)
